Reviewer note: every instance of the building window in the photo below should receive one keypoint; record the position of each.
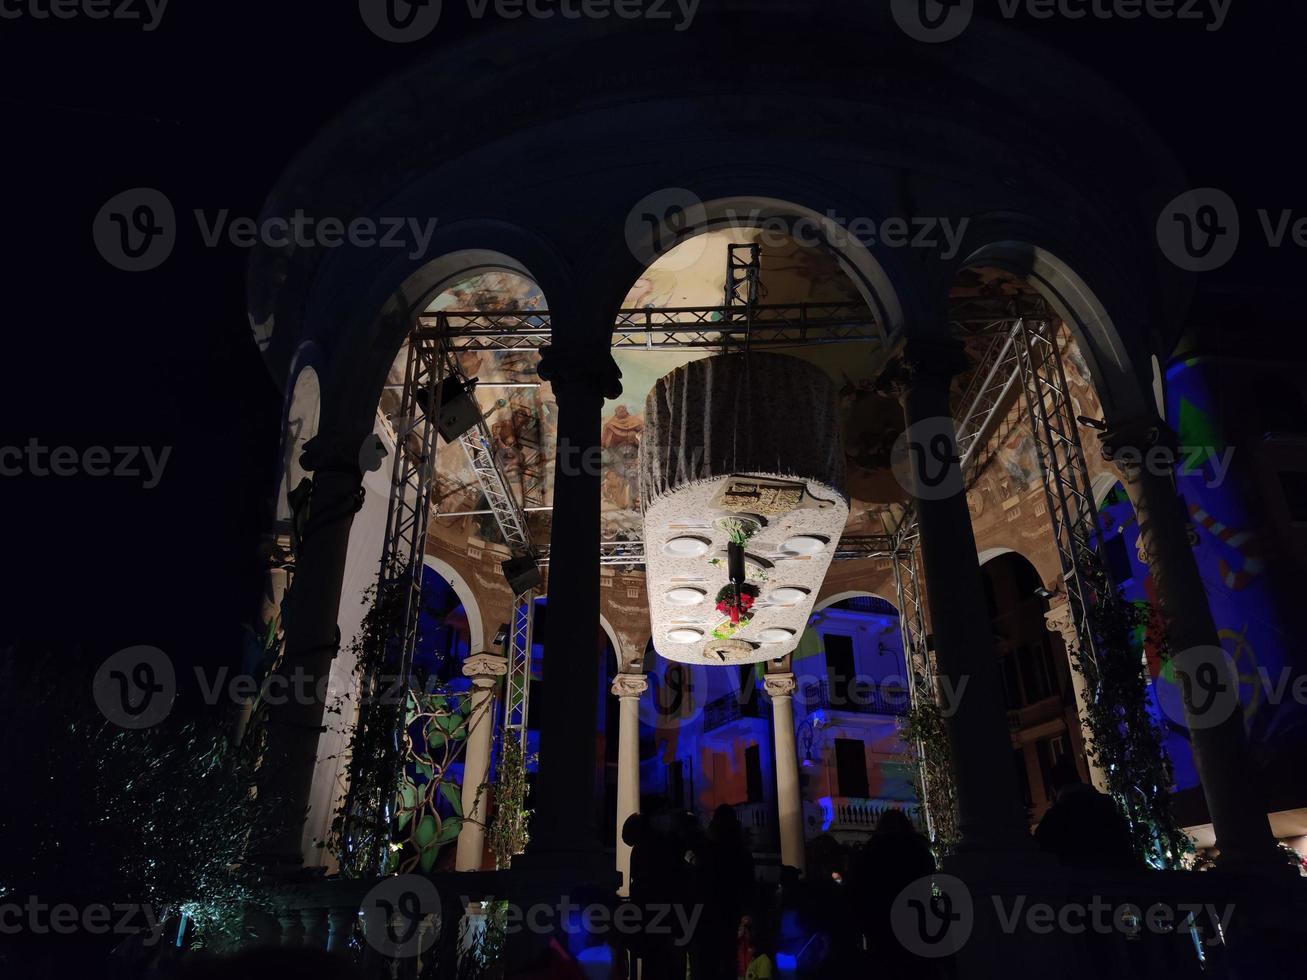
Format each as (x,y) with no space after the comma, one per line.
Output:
(1011,683)
(1294,487)
(753,774)
(851,767)
(676,783)
(1051,751)
(1035,672)
(1118,558)
(1023,777)
(839,668)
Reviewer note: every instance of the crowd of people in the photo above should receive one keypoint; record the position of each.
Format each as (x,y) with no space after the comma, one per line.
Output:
(836,919)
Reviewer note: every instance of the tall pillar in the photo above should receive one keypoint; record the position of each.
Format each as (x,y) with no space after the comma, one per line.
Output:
(789,803)
(1144,452)
(1060,621)
(484,670)
(312,637)
(566,792)
(627,688)
(990,815)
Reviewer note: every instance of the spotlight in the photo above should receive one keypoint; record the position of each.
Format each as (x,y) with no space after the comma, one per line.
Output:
(501,636)
(1098,424)
(1045,593)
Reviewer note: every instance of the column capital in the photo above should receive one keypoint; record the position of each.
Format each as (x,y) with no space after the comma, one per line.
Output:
(1059,620)
(629,685)
(779,685)
(330,453)
(580,371)
(926,359)
(485,668)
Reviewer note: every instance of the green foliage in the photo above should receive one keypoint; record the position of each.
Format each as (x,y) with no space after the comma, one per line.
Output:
(1127,743)
(508,834)
(164,816)
(932,770)
(400,750)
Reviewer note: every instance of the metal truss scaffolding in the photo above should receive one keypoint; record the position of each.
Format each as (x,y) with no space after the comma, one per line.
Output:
(1071,509)
(517,696)
(413,472)
(916,644)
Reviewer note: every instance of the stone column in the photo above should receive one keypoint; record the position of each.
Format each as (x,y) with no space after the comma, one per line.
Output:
(1060,621)
(312,638)
(484,669)
(1144,452)
(789,804)
(627,688)
(990,815)
(566,792)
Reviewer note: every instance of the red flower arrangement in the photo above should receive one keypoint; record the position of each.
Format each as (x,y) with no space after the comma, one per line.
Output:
(736,601)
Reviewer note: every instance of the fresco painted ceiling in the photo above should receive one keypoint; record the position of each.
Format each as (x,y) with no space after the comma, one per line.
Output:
(522,420)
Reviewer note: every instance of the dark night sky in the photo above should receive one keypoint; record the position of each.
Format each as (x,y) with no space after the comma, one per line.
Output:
(209,108)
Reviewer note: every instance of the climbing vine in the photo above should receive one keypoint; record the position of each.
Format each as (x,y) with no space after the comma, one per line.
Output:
(1127,742)
(408,733)
(508,835)
(932,771)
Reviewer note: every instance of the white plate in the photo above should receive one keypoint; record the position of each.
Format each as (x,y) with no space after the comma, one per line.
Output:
(804,544)
(788,593)
(776,634)
(685,596)
(684,634)
(686,546)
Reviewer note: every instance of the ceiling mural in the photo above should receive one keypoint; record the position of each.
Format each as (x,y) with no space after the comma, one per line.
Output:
(521,412)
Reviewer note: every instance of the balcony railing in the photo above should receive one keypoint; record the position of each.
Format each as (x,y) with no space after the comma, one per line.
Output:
(856,696)
(729,708)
